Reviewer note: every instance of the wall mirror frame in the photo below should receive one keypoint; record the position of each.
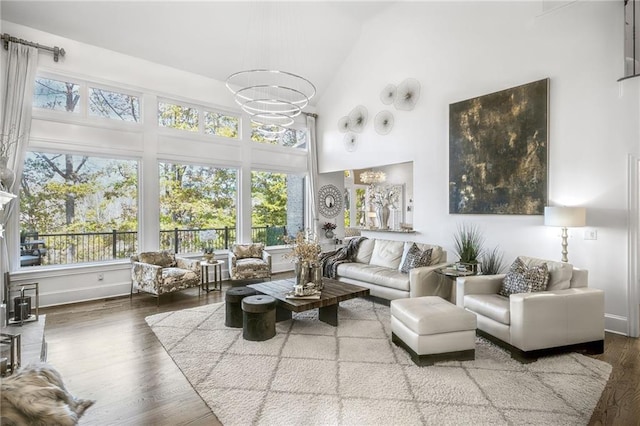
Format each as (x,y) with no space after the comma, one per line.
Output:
(329,201)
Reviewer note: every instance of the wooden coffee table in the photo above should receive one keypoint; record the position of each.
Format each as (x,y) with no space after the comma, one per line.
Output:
(332,294)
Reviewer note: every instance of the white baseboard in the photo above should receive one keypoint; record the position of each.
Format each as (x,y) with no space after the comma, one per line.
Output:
(616,324)
(84,294)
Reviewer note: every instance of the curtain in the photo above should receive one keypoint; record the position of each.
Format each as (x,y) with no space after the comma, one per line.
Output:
(15,122)
(312,160)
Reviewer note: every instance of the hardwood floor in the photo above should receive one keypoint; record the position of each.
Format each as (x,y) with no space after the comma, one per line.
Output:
(106,352)
(620,401)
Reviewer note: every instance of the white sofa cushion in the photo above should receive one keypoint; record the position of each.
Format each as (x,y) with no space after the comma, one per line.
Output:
(491,306)
(432,315)
(387,253)
(374,274)
(365,249)
(559,272)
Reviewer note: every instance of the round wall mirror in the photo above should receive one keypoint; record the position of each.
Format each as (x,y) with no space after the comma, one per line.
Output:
(330,201)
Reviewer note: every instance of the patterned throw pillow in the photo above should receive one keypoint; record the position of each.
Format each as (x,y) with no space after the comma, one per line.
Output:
(416,258)
(521,279)
(164,259)
(244,251)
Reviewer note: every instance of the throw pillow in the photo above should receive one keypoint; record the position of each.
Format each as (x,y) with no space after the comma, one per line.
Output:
(244,251)
(416,258)
(164,259)
(521,279)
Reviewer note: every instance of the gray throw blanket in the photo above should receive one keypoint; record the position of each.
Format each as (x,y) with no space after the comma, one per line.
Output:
(331,259)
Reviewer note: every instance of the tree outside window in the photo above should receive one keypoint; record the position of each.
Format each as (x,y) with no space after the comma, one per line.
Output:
(56,95)
(113,105)
(81,208)
(291,138)
(194,198)
(277,206)
(218,124)
(177,117)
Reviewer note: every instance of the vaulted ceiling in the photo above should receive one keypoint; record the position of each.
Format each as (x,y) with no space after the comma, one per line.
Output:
(210,38)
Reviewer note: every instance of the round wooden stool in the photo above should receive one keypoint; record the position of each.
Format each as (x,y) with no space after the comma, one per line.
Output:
(259,317)
(233,305)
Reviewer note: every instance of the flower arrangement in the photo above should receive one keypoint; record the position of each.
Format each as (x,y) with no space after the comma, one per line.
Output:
(384,196)
(206,238)
(304,248)
(328,226)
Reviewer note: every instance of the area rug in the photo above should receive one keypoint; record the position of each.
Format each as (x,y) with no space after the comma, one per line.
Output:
(313,373)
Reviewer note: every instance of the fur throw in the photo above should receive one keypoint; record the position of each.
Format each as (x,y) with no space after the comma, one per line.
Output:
(331,260)
(36,395)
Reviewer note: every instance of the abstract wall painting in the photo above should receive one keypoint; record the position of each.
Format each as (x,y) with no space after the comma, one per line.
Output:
(498,151)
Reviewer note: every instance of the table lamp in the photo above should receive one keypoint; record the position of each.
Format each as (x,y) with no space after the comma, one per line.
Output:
(565,217)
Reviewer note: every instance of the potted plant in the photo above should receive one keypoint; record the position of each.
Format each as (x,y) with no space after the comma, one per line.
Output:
(468,242)
(207,239)
(328,228)
(209,254)
(492,262)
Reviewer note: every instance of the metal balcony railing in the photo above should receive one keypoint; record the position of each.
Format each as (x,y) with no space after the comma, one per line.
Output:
(82,247)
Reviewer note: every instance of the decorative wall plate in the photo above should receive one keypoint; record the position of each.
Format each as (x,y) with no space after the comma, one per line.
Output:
(383,123)
(358,118)
(350,142)
(343,124)
(407,94)
(329,201)
(388,94)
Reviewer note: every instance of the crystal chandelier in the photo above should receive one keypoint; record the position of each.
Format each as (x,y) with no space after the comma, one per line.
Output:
(372,177)
(272,98)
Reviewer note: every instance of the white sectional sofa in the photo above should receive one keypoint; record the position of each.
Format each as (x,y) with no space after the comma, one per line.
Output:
(377,266)
(567,316)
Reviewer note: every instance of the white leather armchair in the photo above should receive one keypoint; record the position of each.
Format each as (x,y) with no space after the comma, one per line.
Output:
(568,316)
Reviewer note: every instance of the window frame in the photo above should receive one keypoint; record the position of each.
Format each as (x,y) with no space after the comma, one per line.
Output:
(101,155)
(147,155)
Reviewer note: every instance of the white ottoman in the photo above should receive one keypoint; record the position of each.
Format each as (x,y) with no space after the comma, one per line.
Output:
(432,329)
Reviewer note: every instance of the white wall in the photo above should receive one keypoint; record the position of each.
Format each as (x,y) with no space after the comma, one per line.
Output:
(460,50)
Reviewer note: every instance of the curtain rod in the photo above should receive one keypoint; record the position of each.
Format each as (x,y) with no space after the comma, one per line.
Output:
(57,51)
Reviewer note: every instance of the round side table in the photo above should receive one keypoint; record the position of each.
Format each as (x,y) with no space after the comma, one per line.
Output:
(216,265)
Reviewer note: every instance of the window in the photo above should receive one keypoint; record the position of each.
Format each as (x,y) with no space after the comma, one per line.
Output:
(113,105)
(77,208)
(177,117)
(194,199)
(277,206)
(219,124)
(361,213)
(56,95)
(292,138)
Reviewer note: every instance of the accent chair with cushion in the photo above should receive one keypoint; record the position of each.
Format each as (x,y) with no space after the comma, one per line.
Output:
(160,272)
(539,307)
(249,262)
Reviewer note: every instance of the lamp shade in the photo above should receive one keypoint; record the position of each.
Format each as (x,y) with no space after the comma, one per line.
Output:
(565,216)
